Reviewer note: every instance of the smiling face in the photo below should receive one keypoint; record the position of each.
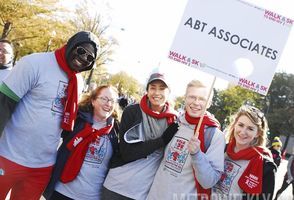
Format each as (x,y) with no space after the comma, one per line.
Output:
(104,104)
(157,94)
(195,100)
(81,57)
(245,131)
(6,53)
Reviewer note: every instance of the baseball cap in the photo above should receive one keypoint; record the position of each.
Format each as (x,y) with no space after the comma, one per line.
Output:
(157,76)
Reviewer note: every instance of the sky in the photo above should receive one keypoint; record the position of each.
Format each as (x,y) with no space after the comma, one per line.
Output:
(145,30)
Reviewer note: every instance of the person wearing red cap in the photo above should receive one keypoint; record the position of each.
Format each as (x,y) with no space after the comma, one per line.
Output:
(249,167)
(38,100)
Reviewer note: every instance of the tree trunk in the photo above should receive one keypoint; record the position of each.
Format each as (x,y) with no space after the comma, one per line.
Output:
(6,30)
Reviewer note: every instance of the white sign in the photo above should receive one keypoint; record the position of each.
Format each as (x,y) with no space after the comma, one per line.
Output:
(233,40)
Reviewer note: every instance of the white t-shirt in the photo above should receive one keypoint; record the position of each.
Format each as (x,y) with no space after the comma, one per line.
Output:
(31,136)
(89,181)
(4,73)
(174,178)
(227,187)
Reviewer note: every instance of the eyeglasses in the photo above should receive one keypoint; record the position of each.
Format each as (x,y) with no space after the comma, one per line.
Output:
(254,112)
(194,98)
(106,100)
(81,51)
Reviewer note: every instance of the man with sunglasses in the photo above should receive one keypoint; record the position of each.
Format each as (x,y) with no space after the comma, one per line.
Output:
(6,58)
(38,100)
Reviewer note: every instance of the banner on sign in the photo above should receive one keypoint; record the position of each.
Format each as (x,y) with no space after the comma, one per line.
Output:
(233,40)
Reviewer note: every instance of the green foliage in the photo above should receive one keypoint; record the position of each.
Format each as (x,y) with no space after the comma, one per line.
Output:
(32,24)
(94,22)
(227,102)
(279,105)
(179,102)
(127,85)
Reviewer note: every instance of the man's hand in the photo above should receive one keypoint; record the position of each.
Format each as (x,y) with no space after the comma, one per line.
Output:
(194,145)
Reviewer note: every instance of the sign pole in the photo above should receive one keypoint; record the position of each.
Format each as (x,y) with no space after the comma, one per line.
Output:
(196,133)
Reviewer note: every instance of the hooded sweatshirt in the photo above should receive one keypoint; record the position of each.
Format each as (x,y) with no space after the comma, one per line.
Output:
(31,98)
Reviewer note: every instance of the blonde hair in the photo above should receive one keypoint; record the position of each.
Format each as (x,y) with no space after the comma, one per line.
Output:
(86,103)
(198,84)
(257,118)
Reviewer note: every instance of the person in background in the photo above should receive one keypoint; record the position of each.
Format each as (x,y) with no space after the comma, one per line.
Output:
(123,102)
(145,129)
(288,178)
(6,58)
(192,164)
(276,150)
(249,167)
(37,100)
(83,158)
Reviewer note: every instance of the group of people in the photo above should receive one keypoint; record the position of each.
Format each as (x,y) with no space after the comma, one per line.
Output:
(150,152)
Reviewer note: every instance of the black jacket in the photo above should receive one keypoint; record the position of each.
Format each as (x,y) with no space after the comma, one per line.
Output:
(277,156)
(131,118)
(268,181)
(63,152)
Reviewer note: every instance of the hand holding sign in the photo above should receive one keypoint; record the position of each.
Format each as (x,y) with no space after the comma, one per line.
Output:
(194,145)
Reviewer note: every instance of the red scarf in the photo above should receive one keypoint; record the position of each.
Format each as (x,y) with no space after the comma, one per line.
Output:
(167,113)
(71,102)
(208,120)
(251,179)
(78,146)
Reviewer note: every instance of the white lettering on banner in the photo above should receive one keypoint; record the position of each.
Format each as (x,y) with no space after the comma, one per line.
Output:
(77,141)
(66,117)
(251,181)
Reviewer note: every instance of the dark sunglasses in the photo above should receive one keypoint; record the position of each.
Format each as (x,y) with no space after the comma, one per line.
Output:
(81,51)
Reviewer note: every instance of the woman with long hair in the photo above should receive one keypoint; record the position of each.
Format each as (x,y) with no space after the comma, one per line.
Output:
(249,167)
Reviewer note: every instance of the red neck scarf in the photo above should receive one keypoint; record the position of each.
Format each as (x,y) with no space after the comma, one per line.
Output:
(208,120)
(71,102)
(78,146)
(167,113)
(251,179)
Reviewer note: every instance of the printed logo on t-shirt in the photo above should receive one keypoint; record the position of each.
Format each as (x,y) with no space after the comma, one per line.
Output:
(59,101)
(225,183)
(177,154)
(97,151)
